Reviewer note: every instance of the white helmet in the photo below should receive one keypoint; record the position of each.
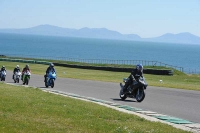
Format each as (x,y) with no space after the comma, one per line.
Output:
(17,66)
(51,65)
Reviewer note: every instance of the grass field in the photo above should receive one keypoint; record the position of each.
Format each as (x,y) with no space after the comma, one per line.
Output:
(28,110)
(178,80)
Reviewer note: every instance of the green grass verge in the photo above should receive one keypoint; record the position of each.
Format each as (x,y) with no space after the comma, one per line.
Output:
(178,80)
(31,110)
(90,64)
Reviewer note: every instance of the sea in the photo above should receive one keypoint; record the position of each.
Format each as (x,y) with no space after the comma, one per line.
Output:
(182,55)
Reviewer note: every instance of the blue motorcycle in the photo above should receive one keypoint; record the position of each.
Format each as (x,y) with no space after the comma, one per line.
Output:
(51,77)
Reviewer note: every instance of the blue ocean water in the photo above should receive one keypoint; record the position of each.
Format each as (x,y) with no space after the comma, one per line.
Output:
(182,55)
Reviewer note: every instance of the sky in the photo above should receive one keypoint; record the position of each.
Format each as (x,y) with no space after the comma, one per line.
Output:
(146,18)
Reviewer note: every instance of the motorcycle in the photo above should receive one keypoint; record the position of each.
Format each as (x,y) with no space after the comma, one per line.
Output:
(26,77)
(17,76)
(135,90)
(3,75)
(51,77)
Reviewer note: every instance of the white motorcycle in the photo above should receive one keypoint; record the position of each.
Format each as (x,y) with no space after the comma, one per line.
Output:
(17,77)
(3,75)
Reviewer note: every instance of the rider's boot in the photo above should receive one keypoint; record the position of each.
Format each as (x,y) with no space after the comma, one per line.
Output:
(125,88)
(45,78)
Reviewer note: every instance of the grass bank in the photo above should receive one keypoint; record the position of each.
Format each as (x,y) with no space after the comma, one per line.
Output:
(91,64)
(31,110)
(178,80)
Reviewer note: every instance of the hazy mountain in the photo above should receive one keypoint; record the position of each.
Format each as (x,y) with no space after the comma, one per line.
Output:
(185,37)
(42,30)
(84,32)
(102,33)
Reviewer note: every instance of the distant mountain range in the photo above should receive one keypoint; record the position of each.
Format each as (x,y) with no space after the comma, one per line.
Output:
(103,33)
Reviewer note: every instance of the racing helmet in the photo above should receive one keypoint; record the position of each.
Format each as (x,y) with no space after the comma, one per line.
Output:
(51,65)
(27,66)
(139,67)
(17,66)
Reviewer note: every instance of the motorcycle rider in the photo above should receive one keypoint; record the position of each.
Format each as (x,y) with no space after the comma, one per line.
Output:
(3,68)
(16,69)
(24,70)
(49,69)
(135,75)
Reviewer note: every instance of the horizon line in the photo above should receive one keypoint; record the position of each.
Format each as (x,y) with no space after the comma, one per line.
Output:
(97,28)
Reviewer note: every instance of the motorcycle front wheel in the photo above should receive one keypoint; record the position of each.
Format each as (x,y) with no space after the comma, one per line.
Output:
(3,79)
(140,95)
(122,95)
(52,83)
(27,81)
(46,85)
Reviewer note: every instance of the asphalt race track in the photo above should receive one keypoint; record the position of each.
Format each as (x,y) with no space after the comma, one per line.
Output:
(179,103)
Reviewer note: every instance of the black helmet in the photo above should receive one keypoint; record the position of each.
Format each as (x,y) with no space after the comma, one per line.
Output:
(139,67)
